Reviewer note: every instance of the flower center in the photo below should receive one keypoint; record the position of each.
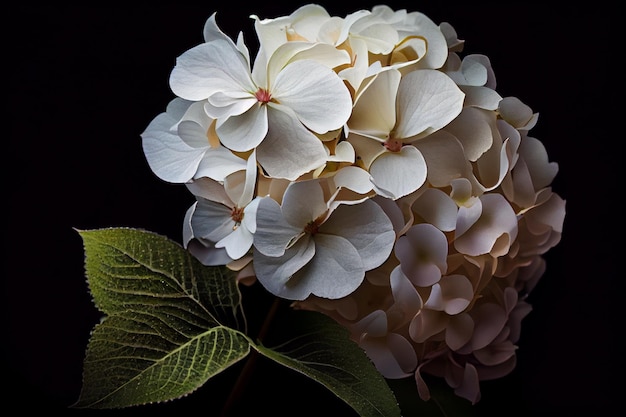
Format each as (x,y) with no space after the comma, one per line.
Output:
(236,213)
(393,145)
(313,226)
(263,96)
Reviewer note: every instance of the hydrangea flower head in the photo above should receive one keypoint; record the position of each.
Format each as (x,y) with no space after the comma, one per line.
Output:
(362,167)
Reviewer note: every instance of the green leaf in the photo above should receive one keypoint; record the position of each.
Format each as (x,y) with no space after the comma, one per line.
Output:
(171,322)
(324,352)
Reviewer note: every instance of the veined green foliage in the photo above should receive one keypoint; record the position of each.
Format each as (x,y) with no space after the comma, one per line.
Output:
(323,351)
(170,325)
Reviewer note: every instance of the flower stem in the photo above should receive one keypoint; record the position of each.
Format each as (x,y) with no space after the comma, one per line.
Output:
(246,372)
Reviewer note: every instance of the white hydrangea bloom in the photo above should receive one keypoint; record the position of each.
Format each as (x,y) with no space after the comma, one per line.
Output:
(277,111)
(304,246)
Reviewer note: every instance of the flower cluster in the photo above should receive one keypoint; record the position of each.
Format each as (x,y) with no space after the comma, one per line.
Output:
(360,166)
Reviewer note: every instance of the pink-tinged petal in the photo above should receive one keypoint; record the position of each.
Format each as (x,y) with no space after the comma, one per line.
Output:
(245,131)
(509,299)
(459,331)
(497,371)
(437,208)
(273,234)
(315,93)
(427,101)
(334,272)
(422,252)
(474,129)
(452,294)
(422,387)
(489,319)
(399,173)
(374,109)
(393,211)
(407,301)
(303,202)
(521,310)
(445,158)
(427,323)
(403,352)
(367,228)
(393,355)
(495,354)
(374,324)
(378,350)
(494,230)
(209,68)
(277,274)
(289,150)
(470,386)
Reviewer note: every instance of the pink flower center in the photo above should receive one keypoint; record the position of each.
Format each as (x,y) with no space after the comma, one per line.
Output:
(263,95)
(393,145)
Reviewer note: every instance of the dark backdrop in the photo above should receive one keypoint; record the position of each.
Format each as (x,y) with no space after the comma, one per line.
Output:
(84,82)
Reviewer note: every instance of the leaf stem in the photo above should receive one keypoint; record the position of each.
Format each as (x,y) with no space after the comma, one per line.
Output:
(246,372)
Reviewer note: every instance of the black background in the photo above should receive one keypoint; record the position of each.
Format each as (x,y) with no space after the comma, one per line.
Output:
(84,82)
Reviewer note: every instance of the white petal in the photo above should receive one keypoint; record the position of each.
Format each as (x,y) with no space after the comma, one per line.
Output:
(276,274)
(245,131)
(374,111)
(445,158)
(273,233)
(406,298)
(209,189)
(218,163)
(303,202)
(335,271)
(493,232)
(208,68)
(289,149)
(437,208)
(315,93)
(211,221)
(169,157)
(237,243)
(399,173)
(367,228)
(451,294)
(427,101)
(422,252)
(474,129)
(353,178)
(482,97)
